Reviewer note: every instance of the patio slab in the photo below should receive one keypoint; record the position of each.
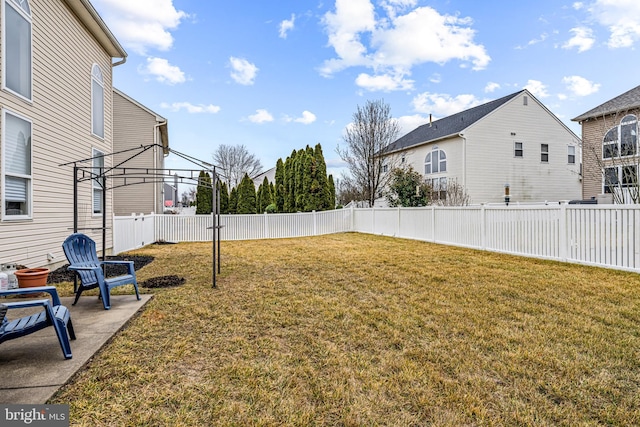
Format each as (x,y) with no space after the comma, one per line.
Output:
(33,368)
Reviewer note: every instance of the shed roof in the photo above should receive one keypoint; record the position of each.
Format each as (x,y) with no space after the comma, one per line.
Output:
(448,126)
(628,100)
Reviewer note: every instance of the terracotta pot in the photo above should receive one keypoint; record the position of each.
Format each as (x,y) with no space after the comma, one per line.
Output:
(32,277)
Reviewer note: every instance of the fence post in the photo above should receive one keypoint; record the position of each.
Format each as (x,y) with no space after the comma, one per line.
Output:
(113,235)
(562,243)
(266,226)
(315,225)
(398,223)
(433,223)
(483,226)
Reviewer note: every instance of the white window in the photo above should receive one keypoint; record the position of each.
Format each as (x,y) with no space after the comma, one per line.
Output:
(620,177)
(97,101)
(435,162)
(385,168)
(16,47)
(97,182)
(16,166)
(571,154)
(517,149)
(544,153)
(621,140)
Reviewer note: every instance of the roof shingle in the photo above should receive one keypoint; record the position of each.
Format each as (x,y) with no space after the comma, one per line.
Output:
(447,126)
(626,101)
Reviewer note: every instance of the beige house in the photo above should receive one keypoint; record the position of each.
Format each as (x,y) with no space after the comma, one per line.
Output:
(134,127)
(55,107)
(610,154)
(514,141)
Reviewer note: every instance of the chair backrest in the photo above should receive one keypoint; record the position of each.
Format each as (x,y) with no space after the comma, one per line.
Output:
(80,250)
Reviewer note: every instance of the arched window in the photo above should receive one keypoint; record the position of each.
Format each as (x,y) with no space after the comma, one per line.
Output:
(435,162)
(16,58)
(621,140)
(97,101)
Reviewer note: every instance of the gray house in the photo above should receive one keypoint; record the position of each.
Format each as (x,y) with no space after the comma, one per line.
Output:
(513,141)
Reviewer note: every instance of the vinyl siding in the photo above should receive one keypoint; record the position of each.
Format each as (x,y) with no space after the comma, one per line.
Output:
(135,127)
(63,54)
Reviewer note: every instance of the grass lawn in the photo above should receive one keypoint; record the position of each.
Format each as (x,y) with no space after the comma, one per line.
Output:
(354,329)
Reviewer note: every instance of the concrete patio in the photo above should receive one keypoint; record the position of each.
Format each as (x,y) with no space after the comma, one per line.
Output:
(33,368)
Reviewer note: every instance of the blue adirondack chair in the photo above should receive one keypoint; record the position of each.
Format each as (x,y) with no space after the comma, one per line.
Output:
(54,314)
(80,250)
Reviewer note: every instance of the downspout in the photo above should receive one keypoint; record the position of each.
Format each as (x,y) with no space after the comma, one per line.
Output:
(122,61)
(464,159)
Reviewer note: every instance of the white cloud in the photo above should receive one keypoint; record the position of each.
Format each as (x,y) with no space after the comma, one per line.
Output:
(580,86)
(582,39)
(409,123)
(622,17)
(141,24)
(537,88)
(287,25)
(306,119)
(491,87)
(542,38)
(261,116)
(562,96)
(391,45)
(435,78)
(577,5)
(386,82)
(190,108)
(244,72)
(443,105)
(162,71)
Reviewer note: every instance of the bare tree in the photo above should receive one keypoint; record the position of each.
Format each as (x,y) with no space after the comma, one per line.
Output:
(453,194)
(615,156)
(347,191)
(366,138)
(235,162)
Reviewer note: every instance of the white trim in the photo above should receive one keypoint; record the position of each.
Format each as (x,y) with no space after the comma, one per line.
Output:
(28,17)
(29,177)
(98,78)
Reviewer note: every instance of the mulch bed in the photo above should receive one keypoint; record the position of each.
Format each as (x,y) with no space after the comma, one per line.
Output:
(139,261)
(163,282)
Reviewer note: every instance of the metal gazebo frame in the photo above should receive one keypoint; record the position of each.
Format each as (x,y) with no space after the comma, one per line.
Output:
(102,175)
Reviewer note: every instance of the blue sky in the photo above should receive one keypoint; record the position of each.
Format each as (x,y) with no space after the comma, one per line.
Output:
(279,75)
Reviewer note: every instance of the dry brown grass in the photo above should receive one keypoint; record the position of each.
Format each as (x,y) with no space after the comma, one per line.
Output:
(354,329)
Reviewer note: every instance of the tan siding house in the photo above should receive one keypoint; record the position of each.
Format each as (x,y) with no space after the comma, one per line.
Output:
(55,99)
(611,130)
(513,140)
(136,126)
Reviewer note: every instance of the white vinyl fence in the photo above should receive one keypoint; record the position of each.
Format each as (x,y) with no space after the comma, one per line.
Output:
(602,235)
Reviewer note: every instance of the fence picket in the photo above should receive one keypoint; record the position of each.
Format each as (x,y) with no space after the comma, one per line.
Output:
(602,235)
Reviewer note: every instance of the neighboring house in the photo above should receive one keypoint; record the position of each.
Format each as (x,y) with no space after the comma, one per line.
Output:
(170,195)
(514,141)
(270,174)
(55,107)
(610,148)
(136,126)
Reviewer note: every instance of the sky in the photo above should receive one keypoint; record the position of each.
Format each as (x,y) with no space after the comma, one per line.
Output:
(276,76)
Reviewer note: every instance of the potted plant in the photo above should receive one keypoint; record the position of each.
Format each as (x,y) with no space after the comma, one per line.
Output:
(32,277)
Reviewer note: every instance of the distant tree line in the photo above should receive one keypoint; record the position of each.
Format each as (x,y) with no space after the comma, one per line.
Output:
(301,185)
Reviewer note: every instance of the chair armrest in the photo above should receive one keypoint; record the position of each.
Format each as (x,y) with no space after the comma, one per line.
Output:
(129,264)
(51,290)
(25,304)
(83,268)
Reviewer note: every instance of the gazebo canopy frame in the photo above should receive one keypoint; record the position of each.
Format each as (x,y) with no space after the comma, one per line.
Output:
(127,176)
